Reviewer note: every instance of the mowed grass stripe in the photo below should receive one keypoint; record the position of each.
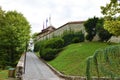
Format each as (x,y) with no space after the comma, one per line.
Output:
(72,60)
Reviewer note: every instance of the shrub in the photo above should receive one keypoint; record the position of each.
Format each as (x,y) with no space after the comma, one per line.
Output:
(88,37)
(38,45)
(49,53)
(67,37)
(104,62)
(70,36)
(80,35)
(103,34)
(50,48)
(54,43)
(90,27)
(76,40)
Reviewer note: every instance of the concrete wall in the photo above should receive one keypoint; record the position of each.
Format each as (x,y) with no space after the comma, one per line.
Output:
(115,39)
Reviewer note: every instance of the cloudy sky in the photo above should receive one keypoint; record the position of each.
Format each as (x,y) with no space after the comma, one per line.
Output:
(61,11)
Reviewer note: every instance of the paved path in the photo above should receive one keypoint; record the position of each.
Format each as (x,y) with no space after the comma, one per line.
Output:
(35,69)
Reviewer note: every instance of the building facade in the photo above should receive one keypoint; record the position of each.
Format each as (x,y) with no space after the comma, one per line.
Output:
(47,33)
(50,31)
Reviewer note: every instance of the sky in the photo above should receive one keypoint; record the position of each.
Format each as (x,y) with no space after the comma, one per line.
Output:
(60,11)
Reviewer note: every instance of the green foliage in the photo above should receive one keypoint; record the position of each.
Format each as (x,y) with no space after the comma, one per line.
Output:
(14,34)
(67,37)
(79,35)
(3,74)
(88,68)
(34,37)
(113,27)
(48,49)
(75,40)
(72,37)
(94,26)
(38,45)
(90,27)
(111,9)
(72,59)
(88,37)
(49,53)
(103,34)
(54,43)
(105,62)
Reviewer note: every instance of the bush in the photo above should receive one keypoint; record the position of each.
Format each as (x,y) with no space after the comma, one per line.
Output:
(69,37)
(54,43)
(104,35)
(49,53)
(75,40)
(49,49)
(38,45)
(104,62)
(88,37)
(80,35)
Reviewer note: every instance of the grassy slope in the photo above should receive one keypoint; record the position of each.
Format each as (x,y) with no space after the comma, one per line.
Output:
(72,60)
(3,74)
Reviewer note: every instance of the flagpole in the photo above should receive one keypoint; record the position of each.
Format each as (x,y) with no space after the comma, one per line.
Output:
(43,25)
(46,22)
(50,20)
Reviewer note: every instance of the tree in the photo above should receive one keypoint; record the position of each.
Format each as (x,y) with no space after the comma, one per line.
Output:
(15,33)
(34,37)
(90,27)
(113,27)
(103,34)
(112,23)
(2,47)
(111,9)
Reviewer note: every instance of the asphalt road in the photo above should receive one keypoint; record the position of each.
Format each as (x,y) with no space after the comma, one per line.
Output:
(35,69)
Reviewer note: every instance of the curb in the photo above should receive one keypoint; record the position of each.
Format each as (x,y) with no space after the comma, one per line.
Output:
(66,77)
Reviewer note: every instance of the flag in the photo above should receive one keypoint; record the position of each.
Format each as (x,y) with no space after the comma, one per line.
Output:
(49,20)
(46,22)
(43,25)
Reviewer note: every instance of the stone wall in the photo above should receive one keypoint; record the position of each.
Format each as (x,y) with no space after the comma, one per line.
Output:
(115,39)
(75,26)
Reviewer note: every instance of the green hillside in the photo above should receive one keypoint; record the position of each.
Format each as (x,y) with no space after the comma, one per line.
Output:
(72,60)
(3,74)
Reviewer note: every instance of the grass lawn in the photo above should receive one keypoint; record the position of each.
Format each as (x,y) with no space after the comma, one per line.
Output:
(3,74)
(72,60)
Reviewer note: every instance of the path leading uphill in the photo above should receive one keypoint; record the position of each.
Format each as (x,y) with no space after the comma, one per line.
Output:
(35,69)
